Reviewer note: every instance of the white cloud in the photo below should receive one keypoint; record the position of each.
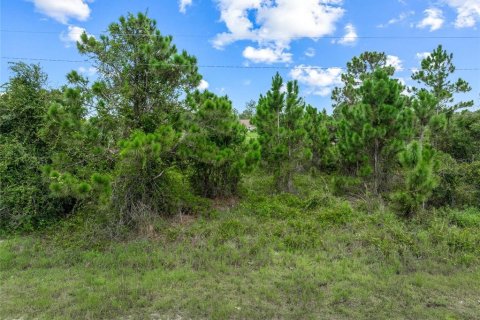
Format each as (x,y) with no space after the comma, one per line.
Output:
(63,10)
(266,55)
(310,52)
(73,35)
(350,37)
(183,4)
(395,62)
(468,12)
(274,24)
(433,19)
(401,17)
(203,85)
(422,55)
(89,71)
(319,81)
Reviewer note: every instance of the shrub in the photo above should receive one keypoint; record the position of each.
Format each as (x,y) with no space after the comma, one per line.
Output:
(147,183)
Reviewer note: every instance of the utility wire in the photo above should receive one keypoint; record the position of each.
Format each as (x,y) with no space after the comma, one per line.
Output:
(274,37)
(170,65)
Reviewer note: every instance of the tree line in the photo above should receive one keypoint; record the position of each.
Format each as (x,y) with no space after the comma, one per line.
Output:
(141,140)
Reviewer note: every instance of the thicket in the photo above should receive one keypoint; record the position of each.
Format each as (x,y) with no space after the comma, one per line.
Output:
(141,141)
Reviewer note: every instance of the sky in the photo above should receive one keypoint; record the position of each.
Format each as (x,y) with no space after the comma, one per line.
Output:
(241,44)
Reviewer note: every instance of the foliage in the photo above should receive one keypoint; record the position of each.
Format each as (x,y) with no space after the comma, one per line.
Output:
(140,142)
(436,70)
(145,178)
(459,183)
(280,125)
(427,118)
(141,73)
(435,76)
(372,132)
(420,180)
(265,257)
(462,141)
(358,70)
(216,146)
(25,203)
(320,139)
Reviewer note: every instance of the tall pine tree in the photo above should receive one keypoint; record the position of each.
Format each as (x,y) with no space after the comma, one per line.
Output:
(280,125)
(141,73)
(373,131)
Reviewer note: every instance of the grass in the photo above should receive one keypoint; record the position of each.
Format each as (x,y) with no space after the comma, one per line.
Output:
(264,256)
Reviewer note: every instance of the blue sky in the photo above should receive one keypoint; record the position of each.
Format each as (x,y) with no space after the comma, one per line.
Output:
(255,38)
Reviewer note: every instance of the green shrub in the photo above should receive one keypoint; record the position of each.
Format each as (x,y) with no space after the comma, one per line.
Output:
(25,200)
(465,218)
(346,185)
(459,183)
(147,183)
(337,213)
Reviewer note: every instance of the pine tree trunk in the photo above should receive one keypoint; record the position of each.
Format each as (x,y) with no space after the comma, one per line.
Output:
(376,168)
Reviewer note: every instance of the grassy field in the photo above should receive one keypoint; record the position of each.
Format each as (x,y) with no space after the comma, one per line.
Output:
(262,256)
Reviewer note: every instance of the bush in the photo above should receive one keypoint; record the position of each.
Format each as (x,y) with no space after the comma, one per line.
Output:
(465,218)
(25,200)
(459,183)
(147,183)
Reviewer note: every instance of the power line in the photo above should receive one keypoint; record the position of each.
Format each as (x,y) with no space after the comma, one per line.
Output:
(170,65)
(280,38)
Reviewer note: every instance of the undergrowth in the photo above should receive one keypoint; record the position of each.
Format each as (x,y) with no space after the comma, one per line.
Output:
(262,255)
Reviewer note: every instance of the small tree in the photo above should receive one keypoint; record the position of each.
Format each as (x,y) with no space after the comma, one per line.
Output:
(146,182)
(419,164)
(280,125)
(319,137)
(216,147)
(372,132)
(424,106)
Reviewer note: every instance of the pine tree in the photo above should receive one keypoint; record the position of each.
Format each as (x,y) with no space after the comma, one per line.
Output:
(424,106)
(78,145)
(280,125)
(418,161)
(319,138)
(435,73)
(435,76)
(146,181)
(141,73)
(216,146)
(372,132)
(358,70)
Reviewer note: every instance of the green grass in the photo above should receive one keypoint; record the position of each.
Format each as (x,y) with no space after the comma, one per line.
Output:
(305,256)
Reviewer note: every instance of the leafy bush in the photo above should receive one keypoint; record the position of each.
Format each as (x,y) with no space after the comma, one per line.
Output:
(459,183)
(25,200)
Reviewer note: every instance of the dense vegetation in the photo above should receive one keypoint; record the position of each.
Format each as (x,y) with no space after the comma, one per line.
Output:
(138,186)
